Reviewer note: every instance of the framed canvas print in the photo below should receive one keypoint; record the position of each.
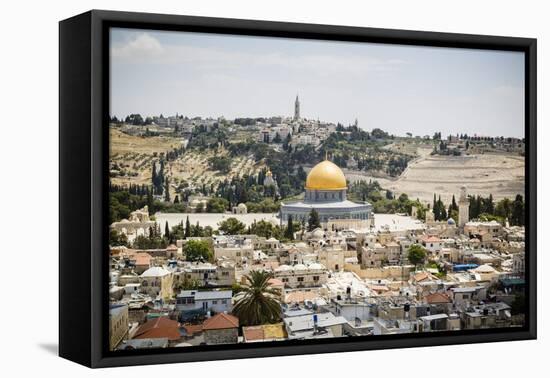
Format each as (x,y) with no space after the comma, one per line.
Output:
(234,188)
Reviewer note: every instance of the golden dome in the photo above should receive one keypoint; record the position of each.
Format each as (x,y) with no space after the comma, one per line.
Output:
(326,176)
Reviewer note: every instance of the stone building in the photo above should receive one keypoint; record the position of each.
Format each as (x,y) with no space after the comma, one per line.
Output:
(137,224)
(118,325)
(326,189)
(301,276)
(157,281)
(239,209)
(221,329)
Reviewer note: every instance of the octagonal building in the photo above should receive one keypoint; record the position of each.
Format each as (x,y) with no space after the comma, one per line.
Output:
(326,193)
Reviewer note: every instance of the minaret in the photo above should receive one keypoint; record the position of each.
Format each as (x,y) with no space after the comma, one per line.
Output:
(463,208)
(297,109)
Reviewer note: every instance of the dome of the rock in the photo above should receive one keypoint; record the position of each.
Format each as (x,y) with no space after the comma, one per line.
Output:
(326,176)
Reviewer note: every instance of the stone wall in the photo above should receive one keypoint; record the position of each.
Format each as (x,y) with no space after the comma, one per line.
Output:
(221,336)
(395,272)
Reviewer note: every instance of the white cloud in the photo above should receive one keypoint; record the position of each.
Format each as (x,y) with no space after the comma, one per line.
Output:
(143,45)
(144,48)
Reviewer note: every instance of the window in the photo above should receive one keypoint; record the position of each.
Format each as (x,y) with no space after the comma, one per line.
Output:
(315,278)
(300,279)
(224,301)
(285,280)
(214,302)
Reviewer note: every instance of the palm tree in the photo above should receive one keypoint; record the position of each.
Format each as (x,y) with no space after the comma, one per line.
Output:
(258,302)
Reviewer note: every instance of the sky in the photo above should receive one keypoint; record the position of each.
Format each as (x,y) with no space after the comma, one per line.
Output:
(397,88)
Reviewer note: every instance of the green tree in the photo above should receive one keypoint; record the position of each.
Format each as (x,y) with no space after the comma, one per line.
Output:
(231,226)
(454,205)
(167,231)
(416,255)
(289,231)
(167,190)
(518,211)
(313,221)
(197,250)
(262,228)
(222,164)
(216,205)
(504,209)
(258,302)
(199,208)
(117,239)
(187,228)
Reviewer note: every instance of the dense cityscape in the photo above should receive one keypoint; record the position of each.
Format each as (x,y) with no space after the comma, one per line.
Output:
(281,228)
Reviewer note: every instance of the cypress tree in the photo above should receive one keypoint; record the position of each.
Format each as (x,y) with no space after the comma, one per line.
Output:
(154,175)
(454,206)
(187,228)
(313,221)
(166,231)
(167,191)
(518,211)
(289,232)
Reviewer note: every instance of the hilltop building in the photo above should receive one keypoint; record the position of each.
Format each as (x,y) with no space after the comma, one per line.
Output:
(297,109)
(326,193)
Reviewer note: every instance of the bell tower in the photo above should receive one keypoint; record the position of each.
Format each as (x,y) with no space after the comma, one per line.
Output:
(463,207)
(297,109)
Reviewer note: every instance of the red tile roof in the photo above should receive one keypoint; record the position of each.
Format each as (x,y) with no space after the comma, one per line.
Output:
(221,321)
(191,329)
(253,333)
(437,298)
(141,258)
(159,328)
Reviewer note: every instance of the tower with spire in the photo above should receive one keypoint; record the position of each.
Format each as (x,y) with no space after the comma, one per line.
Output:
(297,109)
(463,207)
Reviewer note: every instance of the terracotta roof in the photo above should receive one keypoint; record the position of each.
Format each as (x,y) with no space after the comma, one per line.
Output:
(254,333)
(191,329)
(159,328)
(264,332)
(221,321)
(140,258)
(421,276)
(437,298)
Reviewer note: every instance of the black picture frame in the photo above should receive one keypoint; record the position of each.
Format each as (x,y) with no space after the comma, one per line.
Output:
(83,181)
